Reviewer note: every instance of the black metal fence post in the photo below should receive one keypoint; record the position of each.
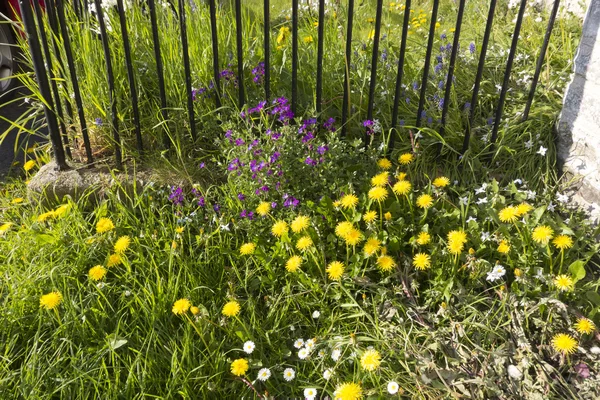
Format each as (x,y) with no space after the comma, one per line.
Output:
(434,11)
(267,50)
(159,71)
(375,57)
(215,47)
(187,69)
(320,40)
(346,101)
(294,56)
(400,68)
(240,51)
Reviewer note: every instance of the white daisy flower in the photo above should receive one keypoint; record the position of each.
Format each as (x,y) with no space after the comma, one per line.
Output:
(310,393)
(249,346)
(264,374)
(321,353)
(289,374)
(303,353)
(327,374)
(310,344)
(496,273)
(299,343)
(392,387)
(316,314)
(336,354)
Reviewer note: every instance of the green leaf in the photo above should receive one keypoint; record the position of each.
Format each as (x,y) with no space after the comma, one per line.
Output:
(594,297)
(577,270)
(537,215)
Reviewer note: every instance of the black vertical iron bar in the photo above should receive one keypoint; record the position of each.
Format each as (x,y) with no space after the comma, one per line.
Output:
(187,68)
(160,72)
(400,66)
(74,82)
(374,59)
(53,85)
(479,75)
(346,101)
(215,48)
(110,77)
(267,50)
(321,40)
(451,66)
(76,6)
(507,71)
(240,50)
(42,79)
(294,56)
(540,60)
(130,76)
(434,11)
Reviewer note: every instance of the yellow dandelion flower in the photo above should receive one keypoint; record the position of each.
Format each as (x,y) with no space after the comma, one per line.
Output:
(284,33)
(335,270)
(348,391)
(585,326)
(279,228)
(523,209)
(503,247)
(179,229)
(46,216)
(384,164)
(113,259)
(51,300)
(181,306)
(406,158)
(456,241)
(508,214)
(387,216)
(402,188)
(195,310)
(370,360)
(263,208)
(28,166)
(343,228)
(104,225)
(247,249)
(421,261)
(353,237)
(97,273)
(300,223)
(423,238)
(562,242)
(17,200)
(371,247)
(441,182)
(308,39)
(564,343)
(293,263)
(231,309)
(370,216)
(62,210)
(424,201)
(385,263)
(122,244)
(304,243)
(349,201)
(239,367)
(542,234)
(5,227)
(518,273)
(564,283)
(380,179)
(378,193)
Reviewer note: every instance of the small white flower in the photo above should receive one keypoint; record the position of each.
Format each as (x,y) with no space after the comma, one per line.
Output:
(392,387)
(562,198)
(310,393)
(310,344)
(542,151)
(327,374)
(321,353)
(485,236)
(482,200)
(595,350)
(249,347)
(336,354)
(518,182)
(264,374)
(531,195)
(529,144)
(568,221)
(289,374)
(471,218)
(316,314)
(299,343)
(496,273)
(225,227)
(127,293)
(538,19)
(481,189)
(514,372)
(303,353)
(551,207)
(463,200)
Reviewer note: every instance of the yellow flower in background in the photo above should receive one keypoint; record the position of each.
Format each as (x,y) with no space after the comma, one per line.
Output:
(300,223)
(231,309)
(387,216)
(29,165)
(104,225)
(239,367)
(385,263)
(456,241)
(195,310)
(370,360)
(402,188)
(263,208)
(503,247)
(372,34)
(353,237)
(247,249)
(542,234)
(424,201)
(62,210)
(337,203)
(17,200)
(304,243)
(284,33)
(293,263)
(421,261)
(406,158)
(423,238)
(5,227)
(523,209)
(181,306)
(371,247)
(564,343)
(508,214)
(381,179)
(97,273)
(384,164)
(179,229)
(378,193)
(308,39)
(113,259)
(518,273)
(564,283)
(585,326)
(348,391)
(279,228)
(370,216)
(562,242)
(122,244)
(335,270)
(51,300)
(349,201)
(46,216)
(343,228)
(441,182)
(401,176)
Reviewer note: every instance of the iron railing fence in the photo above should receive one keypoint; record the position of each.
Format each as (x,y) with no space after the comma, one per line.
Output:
(39,42)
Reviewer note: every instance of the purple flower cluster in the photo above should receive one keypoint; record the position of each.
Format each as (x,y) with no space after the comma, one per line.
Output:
(258,73)
(247,214)
(472,48)
(176,196)
(329,125)
(369,124)
(199,197)
(201,93)
(229,77)
(282,110)
(290,201)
